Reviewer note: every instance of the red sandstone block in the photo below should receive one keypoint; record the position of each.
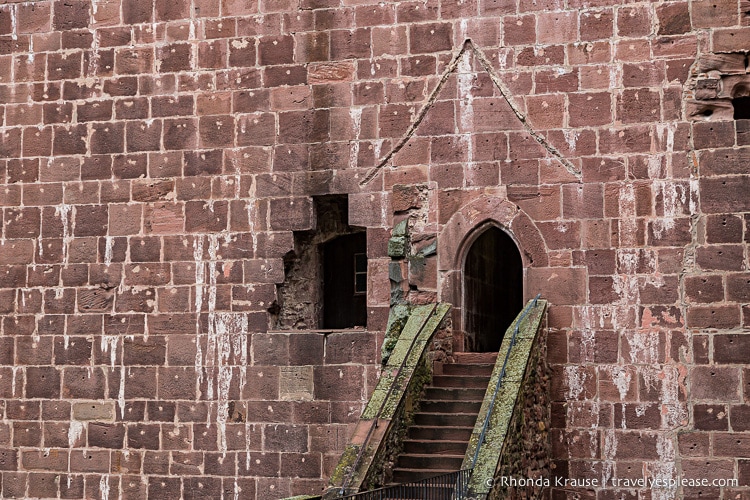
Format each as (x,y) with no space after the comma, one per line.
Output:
(644,74)
(589,109)
(593,52)
(724,161)
(548,81)
(724,228)
(216,131)
(390,40)
(557,27)
(706,14)
(83,383)
(328,386)
(520,30)
(261,464)
(633,50)
(721,257)
(738,287)
(580,383)
(276,50)
(713,134)
(674,18)
(354,44)
(596,24)
(560,285)
(730,444)
(636,445)
(638,105)
(583,201)
(312,47)
(546,111)
(304,126)
(180,134)
(728,194)
(286,438)
(731,349)
(418,66)
(55,460)
(740,417)
(64,66)
(417,11)
(539,203)
(730,39)
(300,465)
(715,383)
(429,38)
(292,214)
(704,289)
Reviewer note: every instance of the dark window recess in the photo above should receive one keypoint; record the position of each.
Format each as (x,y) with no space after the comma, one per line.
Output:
(493,289)
(345,281)
(741,107)
(360,273)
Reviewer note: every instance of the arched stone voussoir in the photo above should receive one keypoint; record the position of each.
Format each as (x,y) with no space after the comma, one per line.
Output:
(454,237)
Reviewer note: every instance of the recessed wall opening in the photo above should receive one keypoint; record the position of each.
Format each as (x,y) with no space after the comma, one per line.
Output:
(345,281)
(325,284)
(493,289)
(741,107)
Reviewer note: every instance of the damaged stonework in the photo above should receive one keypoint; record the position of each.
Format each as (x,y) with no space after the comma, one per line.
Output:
(300,304)
(718,84)
(413,267)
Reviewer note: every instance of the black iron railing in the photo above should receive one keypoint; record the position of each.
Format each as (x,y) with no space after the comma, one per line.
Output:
(444,487)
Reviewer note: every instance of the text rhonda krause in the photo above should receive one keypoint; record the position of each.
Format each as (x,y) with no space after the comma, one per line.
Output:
(654,483)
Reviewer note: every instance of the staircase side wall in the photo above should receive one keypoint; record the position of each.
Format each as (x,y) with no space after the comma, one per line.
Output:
(526,454)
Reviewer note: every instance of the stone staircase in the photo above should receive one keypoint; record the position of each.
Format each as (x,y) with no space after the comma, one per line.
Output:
(437,441)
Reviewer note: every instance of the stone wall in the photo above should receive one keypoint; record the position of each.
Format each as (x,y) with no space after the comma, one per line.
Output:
(526,449)
(157,157)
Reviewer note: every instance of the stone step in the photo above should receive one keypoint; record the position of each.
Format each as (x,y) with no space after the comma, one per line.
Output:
(421,492)
(468,381)
(454,394)
(475,357)
(484,370)
(450,407)
(430,462)
(453,419)
(440,432)
(437,447)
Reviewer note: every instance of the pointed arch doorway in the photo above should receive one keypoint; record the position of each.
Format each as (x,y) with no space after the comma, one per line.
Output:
(492,288)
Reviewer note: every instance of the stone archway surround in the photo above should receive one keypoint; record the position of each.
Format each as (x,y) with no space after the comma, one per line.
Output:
(459,233)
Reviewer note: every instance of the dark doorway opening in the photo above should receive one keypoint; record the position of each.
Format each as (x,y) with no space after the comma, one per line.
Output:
(493,289)
(741,107)
(345,281)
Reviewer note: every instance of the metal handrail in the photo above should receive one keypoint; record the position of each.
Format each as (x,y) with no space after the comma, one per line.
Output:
(374,423)
(449,486)
(499,383)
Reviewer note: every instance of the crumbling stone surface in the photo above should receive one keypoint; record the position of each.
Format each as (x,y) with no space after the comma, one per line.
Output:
(158,157)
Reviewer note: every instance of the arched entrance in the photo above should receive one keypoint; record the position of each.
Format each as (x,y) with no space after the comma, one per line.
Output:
(493,288)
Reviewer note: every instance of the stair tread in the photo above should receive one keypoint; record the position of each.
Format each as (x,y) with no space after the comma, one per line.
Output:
(452,400)
(427,455)
(437,445)
(411,440)
(438,472)
(457,427)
